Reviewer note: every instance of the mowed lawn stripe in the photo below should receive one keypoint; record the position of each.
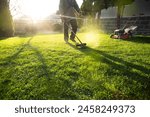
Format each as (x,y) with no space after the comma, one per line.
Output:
(44,67)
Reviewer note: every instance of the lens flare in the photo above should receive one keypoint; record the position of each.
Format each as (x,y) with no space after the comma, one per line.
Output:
(92,39)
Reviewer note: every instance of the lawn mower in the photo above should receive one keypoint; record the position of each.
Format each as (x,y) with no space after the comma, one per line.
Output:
(126,32)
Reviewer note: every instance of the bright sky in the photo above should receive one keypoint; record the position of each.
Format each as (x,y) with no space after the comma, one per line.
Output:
(40,8)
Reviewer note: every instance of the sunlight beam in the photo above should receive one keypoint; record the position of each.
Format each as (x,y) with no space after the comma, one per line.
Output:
(39,9)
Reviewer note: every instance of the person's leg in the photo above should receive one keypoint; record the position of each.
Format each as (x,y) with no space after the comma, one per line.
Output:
(74,26)
(66,35)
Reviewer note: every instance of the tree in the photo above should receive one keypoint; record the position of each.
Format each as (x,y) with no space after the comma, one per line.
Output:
(98,5)
(91,7)
(86,7)
(120,4)
(95,6)
(6,22)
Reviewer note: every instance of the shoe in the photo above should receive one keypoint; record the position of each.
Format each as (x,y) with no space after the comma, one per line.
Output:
(73,40)
(66,40)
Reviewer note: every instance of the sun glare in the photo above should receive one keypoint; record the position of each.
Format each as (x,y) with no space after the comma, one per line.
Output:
(92,38)
(38,9)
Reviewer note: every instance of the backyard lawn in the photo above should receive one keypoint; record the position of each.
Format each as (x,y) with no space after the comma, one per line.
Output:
(44,67)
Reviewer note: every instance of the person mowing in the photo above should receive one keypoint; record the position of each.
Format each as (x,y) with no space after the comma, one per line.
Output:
(68,10)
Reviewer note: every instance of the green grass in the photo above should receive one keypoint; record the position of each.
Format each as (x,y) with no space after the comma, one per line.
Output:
(44,67)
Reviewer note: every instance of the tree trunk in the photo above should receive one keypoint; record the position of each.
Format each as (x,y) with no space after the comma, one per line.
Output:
(118,16)
(6,23)
(120,11)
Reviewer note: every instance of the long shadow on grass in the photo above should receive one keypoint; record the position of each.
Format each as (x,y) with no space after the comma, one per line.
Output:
(97,54)
(139,39)
(112,60)
(9,59)
(4,85)
(3,38)
(41,59)
(125,68)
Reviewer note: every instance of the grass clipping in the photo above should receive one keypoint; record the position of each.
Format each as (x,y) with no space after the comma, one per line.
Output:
(91,31)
